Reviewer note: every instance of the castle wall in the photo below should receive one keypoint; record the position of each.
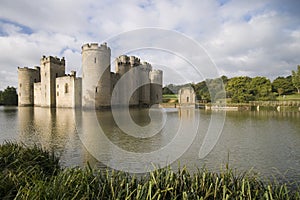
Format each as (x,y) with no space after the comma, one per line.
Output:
(122,67)
(156,86)
(135,80)
(37,90)
(26,78)
(114,79)
(144,90)
(51,68)
(68,91)
(78,92)
(96,82)
(129,66)
(65,92)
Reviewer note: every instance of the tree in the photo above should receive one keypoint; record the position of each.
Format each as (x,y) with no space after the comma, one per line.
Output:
(9,96)
(237,89)
(1,100)
(261,89)
(201,91)
(166,90)
(283,85)
(296,79)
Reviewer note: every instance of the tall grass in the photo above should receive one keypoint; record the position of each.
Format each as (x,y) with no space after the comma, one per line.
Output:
(88,183)
(20,165)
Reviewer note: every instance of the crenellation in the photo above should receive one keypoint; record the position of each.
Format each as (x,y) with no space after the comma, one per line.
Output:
(134,61)
(54,60)
(95,46)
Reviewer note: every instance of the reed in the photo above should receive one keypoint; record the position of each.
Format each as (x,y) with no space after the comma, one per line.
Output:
(88,183)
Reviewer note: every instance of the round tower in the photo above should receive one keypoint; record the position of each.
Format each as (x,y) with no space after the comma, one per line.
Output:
(144,90)
(122,64)
(96,79)
(156,86)
(129,66)
(26,78)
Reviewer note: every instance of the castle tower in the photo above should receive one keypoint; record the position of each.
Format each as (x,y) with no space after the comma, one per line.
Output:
(51,68)
(122,65)
(156,86)
(26,78)
(96,77)
(130,67)
(144,91)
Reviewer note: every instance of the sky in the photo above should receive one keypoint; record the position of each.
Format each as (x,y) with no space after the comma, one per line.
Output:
(241,38)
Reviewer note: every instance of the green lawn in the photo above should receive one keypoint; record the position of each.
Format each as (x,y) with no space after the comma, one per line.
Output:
(292,97)
(170,96)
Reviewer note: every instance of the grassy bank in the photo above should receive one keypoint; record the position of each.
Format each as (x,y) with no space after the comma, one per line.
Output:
(31,173)
(291,97)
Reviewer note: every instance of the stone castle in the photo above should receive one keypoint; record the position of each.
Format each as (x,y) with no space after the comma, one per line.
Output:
(49,86)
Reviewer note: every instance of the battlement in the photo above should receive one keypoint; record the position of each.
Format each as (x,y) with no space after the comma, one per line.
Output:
(94,46)
(157,72)
(146,66)
(51,59)
(27,69)
(123,59)
(132,60)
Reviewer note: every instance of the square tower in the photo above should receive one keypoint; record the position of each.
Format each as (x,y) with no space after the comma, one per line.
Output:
(51,68)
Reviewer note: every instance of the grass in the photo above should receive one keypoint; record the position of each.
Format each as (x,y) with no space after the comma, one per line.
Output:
(170,96)
(292,97)
(170,99)
(48,181)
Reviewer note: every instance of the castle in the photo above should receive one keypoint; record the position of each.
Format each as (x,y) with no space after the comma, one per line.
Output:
(49,86)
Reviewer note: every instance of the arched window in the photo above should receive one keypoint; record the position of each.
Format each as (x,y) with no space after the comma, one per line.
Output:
(187,99)
(66,88)
(95,60)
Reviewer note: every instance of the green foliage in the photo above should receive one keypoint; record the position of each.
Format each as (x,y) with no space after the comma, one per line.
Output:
(244,89)
(166,90)
(241,89)
(296,78)
(261,89)
(19,165)
(201,90)
(283,85)
(1,100)
(238,89)
(9,96)
(173,89)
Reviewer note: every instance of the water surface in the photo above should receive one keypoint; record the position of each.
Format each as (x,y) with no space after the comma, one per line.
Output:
(267,141)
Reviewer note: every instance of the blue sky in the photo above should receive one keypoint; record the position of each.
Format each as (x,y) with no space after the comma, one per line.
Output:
(243,38)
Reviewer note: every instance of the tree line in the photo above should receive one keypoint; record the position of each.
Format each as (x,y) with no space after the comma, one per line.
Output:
(9,97)
(242,89)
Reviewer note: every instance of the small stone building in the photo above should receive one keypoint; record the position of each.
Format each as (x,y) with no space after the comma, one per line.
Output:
(186,96)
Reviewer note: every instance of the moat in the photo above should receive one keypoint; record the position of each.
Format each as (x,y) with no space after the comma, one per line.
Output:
(267,141)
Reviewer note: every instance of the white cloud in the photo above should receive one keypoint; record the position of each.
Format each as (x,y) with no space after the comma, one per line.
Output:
(243,38)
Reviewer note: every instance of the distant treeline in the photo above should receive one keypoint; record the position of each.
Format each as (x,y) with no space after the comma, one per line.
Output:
(9,97)
(243,88)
